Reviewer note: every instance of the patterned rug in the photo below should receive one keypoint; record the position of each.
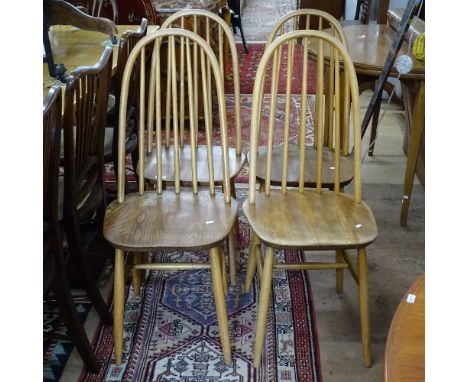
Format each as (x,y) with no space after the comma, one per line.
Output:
(57,351)
(170,332)
(259,16)
(248,64)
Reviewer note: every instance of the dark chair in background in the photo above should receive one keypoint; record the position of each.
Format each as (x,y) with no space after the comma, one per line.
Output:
(86,95)
(128,40)
(55,277)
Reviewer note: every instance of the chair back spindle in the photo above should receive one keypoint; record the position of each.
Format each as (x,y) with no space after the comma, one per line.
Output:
(158,39)
(343,77)
(207,24)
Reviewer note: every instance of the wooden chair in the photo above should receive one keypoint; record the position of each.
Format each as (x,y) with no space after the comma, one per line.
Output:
(54,269)
(94,8)
(127,42)
(204,23)
(309,219)
(86,94)
(328,173)
(58,12)
(173,218)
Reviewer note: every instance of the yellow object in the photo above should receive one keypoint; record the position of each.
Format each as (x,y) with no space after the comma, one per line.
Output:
(418,47)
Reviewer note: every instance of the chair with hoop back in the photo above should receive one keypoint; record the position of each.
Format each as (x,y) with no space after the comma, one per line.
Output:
(292,21)
(127,42)
(86,94)
(55,277)
(208,25)
(309,219)
(174,217)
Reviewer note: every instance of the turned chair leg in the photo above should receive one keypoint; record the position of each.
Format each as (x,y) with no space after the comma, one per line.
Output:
(232,258)
(339,272)
(252,262)
(220,303)
(137,273)
(364,306)
(223,271)
(119,300)
(264,299)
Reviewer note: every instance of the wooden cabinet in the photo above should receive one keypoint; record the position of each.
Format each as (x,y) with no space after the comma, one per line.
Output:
(335,7)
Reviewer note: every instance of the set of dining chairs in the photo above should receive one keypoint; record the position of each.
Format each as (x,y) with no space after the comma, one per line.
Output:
(187,160)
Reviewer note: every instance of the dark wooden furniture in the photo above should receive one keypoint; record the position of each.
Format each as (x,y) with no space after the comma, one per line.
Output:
(362,13)
(368,46)
(55,277)
(127,42)
(404,352)
(309,219)
(174,218)
(335,8)
(58,12)
(86,96)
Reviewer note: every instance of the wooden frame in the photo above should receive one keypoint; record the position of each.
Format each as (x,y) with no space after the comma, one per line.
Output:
(309,219)
(160,219)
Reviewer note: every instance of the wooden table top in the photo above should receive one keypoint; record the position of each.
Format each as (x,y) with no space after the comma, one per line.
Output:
(404,353)
(369,45)
(75,47)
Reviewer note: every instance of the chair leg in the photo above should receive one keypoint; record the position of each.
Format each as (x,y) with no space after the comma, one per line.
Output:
(339,272)
(261,187)
(119,297)
(264,299)
(364,306)
(223,271)
(244,43)
(220,303)
(252,262)
(236,228)
(232,258)
(72,322)
(137,273)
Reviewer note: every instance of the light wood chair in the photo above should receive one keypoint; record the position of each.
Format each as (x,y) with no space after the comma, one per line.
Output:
(127,42)
(206,24)
(303,219)
(292,21)
(86,94)
(173,218)
(55,278)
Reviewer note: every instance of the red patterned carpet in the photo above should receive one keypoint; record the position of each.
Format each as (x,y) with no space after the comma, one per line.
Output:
(171,333)
(248,64)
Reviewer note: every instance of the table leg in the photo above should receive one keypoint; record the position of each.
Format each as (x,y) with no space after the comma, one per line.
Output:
(417,129)
(375,122)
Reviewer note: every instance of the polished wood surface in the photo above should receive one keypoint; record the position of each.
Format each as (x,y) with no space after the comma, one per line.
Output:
(168,164)
(76,47)
(184,221)
(310,175)
(368,46)
(311,220)
(404,352)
